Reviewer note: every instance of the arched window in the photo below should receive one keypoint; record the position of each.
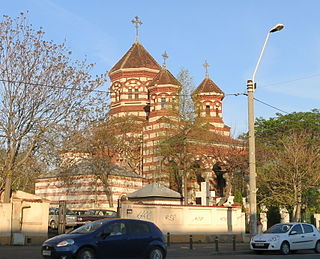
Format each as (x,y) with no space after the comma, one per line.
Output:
(174,104)
(129,93)
(217,111)
(163,102)
(136,93)
(208,110)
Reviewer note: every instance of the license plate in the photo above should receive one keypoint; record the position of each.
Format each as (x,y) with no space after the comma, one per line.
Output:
(259,244)
(46,252)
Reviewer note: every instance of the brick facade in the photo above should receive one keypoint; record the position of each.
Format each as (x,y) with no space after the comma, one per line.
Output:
(140,87)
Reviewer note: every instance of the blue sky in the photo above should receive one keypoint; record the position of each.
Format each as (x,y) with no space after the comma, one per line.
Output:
(229,34)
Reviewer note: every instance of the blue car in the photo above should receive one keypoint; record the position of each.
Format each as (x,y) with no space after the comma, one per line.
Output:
(115,238)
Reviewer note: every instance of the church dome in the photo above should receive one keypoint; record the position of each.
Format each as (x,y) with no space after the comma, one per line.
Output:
(136,57)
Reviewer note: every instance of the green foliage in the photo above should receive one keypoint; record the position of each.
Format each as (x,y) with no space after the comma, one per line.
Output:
(287,149)
(270,131)
(312,200)
(273,215)
(238,197)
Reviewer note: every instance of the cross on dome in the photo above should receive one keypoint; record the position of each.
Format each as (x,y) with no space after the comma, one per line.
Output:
(206,65)
(137,23)
(165,56)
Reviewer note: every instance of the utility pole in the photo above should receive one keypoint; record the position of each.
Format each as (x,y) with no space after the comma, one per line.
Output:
(252,160)
(251,85)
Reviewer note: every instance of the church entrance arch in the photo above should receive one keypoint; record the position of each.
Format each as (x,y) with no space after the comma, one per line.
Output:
(220,180)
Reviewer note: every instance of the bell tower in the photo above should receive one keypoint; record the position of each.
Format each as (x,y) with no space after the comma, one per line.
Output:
(207,99)
(130,78)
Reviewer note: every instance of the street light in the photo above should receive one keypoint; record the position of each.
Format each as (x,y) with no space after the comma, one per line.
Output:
(251,85)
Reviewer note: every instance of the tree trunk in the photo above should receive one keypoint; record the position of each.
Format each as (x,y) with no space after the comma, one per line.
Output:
(294,213)
(7,188)
(299,203)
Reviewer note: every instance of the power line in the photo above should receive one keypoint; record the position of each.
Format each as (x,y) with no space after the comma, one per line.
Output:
(52,86)
(270,105)
(79,89)
(289,81)
(237,94)
(109,92)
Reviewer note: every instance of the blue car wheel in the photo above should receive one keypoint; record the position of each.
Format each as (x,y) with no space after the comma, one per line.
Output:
(156,253)
(86,253)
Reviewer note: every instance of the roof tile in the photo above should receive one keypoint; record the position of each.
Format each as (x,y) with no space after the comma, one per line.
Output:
(207,86)
(136,57)
(164,77)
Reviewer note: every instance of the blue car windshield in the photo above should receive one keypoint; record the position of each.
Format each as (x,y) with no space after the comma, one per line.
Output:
(88,228)
(279,228)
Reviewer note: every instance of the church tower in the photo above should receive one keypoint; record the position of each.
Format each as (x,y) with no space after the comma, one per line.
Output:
(130,78)
(164,92)
(207,99)
(163,118)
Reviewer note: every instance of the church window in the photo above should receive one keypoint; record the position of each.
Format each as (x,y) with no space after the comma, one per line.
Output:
(217,111)
(118,96)
(136,93)
(174,104)
(129,93)
(163,102)
(207,110)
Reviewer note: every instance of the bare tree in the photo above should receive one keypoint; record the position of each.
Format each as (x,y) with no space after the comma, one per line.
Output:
(183,153)
(120,138)
(186,103)
(42,91)
(290,171)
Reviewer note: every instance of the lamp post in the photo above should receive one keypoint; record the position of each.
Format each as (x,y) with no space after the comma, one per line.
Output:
(252,153)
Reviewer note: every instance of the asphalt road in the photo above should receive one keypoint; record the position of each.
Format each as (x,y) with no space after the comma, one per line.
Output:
(202,251)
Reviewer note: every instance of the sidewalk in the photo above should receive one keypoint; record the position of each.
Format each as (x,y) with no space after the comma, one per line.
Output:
(183,250)
(174,250)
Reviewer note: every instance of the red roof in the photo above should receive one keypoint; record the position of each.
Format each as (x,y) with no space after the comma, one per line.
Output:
(164,77)
(207,86)
(136,57)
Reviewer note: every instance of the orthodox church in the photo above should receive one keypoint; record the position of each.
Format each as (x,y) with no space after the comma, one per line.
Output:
(142,88)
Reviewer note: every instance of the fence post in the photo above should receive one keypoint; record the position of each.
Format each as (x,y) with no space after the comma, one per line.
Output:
(234,243)
(190,242)
(216,240)
(168,239)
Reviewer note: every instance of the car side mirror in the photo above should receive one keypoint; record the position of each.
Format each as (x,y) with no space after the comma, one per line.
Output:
(293,232)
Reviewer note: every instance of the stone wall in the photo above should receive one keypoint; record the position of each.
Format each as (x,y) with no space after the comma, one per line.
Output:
(180,219)
(24,220)
(5,223)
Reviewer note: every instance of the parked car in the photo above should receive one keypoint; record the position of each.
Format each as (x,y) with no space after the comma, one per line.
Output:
(116,238)
(79,212)
(95,214)
(287,237)
(71,218)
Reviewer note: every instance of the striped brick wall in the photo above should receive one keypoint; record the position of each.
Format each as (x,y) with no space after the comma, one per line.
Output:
(85,191)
